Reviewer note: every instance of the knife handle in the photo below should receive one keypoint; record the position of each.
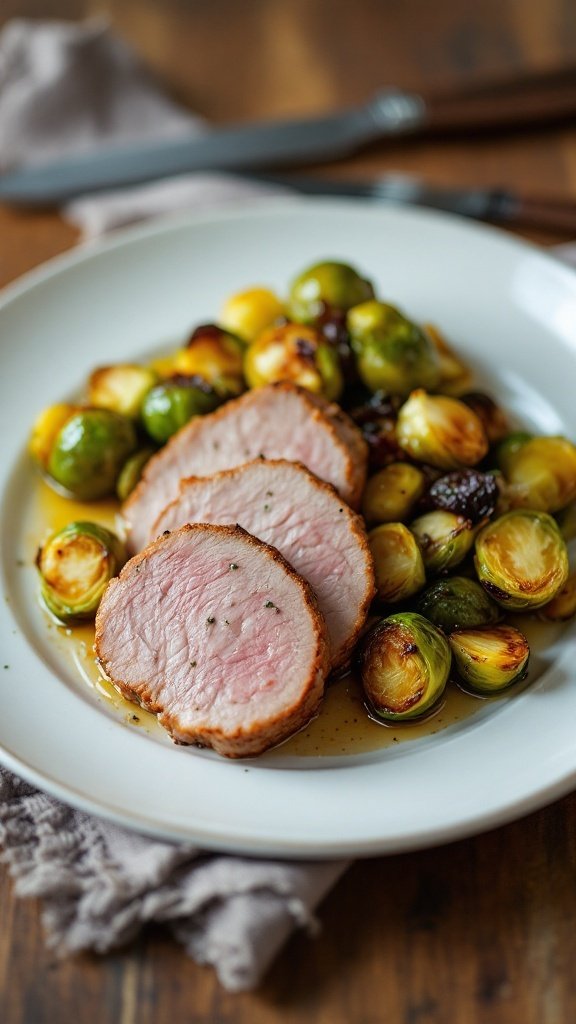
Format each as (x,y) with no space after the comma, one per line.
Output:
(530,99)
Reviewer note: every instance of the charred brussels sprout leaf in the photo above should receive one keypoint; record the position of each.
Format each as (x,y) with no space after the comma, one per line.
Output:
(295,353)
(89,451)
(215,355)
(120,388)
(392,493)
(75,566)
(404,665)
(541,472)
(169,406)
(325,287)
(521,559)
(457,603)
(441,431)
(392,353)
(466,492)
(397,562)
(444,539)
(131,472)
(491,659)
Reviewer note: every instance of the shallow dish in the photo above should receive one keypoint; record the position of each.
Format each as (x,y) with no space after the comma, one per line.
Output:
(508,308)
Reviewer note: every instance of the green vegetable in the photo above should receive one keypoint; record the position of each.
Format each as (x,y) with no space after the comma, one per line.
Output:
(441,431)
(491,659)
(392,493)
(217,356)
(457,603)
(89,451)
(541,472)
(397,562)
(444,539)
(295,353)
(170,405)
(131,472)
(404,666)
(392,353)
(563,606)
(75,566)
(521,559)
(331,286)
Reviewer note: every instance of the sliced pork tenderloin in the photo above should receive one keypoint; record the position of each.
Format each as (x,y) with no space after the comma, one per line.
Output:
(277,421)
(215,633)
(283,504)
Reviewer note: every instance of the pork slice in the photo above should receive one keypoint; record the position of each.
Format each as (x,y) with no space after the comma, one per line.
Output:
(283,504)
(277,421)
(214,632)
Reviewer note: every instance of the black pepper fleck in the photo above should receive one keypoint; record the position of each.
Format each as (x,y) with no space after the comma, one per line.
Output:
(210,620)
(266,508)
(135,718)
(193,664)
(232,565)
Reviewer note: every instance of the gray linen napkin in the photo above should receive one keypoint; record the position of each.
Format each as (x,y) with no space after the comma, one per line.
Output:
(66,87)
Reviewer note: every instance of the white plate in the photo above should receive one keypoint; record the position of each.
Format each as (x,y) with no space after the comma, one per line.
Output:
(512,311)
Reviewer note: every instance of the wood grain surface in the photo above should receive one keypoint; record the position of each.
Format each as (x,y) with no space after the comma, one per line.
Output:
(477,932)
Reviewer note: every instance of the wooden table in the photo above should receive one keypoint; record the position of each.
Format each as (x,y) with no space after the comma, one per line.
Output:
(478,932)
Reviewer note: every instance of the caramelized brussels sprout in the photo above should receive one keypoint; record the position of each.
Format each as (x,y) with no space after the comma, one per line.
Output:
(541,472)
(326,286)
(131,472)
(75,566)
(457,603)
(89,451)
(508,447)
(567,522)
(404,665)
(296,353)
(250,312)
(168,406)
(392,353)
(46,429)
(455,376)
(441,431)
(521,559)
(215,355)
(466,492)
(120,388)
(444,539)
(563,606)
(493,418)
(491,659)
(397,562)
(392,493)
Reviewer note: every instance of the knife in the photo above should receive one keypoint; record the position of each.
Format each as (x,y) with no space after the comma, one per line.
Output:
(542,97)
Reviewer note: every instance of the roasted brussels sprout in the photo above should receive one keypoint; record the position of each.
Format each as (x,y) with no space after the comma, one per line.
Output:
(397,562)
(392,353)
(491,659)
(131,472)
(75,566)
(392,493)
(444,539)
(168,406)
(466,492)
(493,418)
(455,376)
(296,353)
(404,665)
(441,431)
(326,286)
(567,522)
(120,388)
(89,451)
(541,472)
(215,355)
(46,429)
(563,606)
(457,603)
(250,312)
(521,559)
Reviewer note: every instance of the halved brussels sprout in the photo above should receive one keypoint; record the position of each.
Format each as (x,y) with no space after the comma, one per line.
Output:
(89,451)
(392,493)
(46,428)
(120,388)
(171,404)
(457,603)
(325,287)
(392,353)
(521,559)
(404,665)
(567,522)
(493,418)
(75,566)
(296,353)
(455,376)
(467,492)
(441,431)
(215,355)
(563,606)
(132,471)
(541,472)
(250,312)
(444,539)
(397,562)
(491,659)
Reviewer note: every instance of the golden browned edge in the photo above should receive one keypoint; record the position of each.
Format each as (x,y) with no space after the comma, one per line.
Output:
(329,415)
(355,522)
(239,743)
